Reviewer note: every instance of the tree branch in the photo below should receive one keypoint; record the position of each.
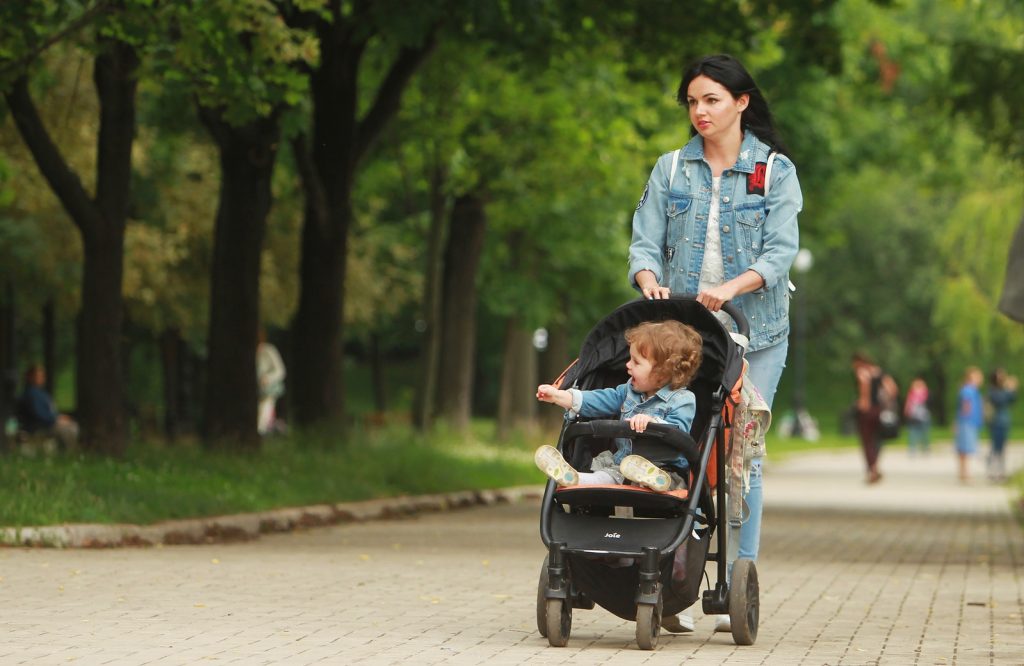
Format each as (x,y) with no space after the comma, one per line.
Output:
(62,178)
(15,66)
(389,95)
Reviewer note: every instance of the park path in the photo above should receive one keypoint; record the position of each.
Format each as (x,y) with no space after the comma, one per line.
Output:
(916,570)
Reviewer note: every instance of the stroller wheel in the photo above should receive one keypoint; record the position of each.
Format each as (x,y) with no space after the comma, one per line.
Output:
(542,602)
(648,625)
(744,602)
(559,622)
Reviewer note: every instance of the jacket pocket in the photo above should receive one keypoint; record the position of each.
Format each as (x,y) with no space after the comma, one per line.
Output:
(750,225)
(677,206)
(675,214)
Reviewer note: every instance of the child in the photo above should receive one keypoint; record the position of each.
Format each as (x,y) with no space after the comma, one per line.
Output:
(969,419)
(917,416)
(663,358)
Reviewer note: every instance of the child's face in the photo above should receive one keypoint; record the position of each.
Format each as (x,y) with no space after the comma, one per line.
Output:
(642,372)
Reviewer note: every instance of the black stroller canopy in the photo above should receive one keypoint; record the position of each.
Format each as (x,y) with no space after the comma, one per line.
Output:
(605,348)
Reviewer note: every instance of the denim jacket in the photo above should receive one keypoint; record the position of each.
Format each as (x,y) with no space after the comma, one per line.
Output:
(670,406)
(758,234)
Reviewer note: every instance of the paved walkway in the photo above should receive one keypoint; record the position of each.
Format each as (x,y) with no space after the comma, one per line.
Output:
(916,570)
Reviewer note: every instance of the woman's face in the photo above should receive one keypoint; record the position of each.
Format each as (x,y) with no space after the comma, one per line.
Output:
(714,112)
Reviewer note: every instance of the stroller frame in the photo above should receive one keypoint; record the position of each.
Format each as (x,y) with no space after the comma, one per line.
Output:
(586,543)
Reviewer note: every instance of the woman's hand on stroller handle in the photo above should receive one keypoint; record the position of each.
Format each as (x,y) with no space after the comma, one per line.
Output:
(649,287)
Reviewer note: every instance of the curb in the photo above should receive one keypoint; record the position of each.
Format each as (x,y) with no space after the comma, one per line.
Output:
(248,526)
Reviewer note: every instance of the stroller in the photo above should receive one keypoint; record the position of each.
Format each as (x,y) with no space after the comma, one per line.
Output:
(650,560)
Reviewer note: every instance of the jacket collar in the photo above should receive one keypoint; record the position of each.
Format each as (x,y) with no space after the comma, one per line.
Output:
(750,149)
(665,392)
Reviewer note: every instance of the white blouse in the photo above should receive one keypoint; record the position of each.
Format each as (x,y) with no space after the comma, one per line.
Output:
(712,271)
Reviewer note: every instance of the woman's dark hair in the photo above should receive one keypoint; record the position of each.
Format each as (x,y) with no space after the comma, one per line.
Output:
(728,71)
(997,377)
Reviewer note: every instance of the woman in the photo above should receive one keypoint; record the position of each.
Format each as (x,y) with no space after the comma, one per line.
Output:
(969,419)
(1002,393)
(876,391)
(713,222)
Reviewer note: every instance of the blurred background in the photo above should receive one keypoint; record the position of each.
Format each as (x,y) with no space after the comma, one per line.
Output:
(426,206)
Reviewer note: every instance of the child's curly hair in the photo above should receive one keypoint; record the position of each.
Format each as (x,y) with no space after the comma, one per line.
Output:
(674,349)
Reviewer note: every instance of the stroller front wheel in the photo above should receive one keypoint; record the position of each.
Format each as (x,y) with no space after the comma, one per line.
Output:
(559,622)
(648,625)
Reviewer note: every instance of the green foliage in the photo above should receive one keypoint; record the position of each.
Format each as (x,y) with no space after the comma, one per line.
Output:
(237,55)
(156,483)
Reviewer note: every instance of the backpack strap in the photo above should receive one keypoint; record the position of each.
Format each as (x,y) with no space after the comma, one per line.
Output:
(675,163)
(768,173)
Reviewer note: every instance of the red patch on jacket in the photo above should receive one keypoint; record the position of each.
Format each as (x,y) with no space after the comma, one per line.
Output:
(755,181)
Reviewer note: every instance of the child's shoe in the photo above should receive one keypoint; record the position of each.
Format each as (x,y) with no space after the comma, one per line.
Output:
(641,470)
(551,462)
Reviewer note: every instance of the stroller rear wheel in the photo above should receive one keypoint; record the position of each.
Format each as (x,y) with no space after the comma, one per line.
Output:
(744,602)
(648,625)
(559,622)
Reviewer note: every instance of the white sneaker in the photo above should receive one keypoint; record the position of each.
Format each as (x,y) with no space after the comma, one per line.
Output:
(722,624)
(641,470)
(551,462)
(677,624)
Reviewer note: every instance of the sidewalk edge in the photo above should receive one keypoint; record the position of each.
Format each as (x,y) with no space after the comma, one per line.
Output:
(248,526)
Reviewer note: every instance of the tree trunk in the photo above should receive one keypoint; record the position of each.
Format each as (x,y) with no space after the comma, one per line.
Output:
(50,344)
(317,344)
(247,155)
(458,336)
(380,393)
(171,363)
(340,140)
(430,357)
(517,402)
(8,363)
(101,222)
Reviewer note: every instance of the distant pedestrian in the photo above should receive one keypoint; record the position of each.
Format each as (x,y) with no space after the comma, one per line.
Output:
(1002,392)
(917,416)
(270,375)
(37,412)
(876,396)
(969,418)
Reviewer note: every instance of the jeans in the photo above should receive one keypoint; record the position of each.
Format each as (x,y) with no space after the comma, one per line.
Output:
(765,370)
(917,435)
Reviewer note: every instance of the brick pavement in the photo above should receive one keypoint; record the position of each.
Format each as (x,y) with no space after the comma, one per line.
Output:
(916,570)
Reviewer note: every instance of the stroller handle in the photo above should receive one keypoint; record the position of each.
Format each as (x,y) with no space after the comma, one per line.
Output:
(742,325)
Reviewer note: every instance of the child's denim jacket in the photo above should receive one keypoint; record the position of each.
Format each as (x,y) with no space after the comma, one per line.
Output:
(757,233)
(670,406)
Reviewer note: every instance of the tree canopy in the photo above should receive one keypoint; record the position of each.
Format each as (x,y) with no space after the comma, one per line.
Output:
(382,121)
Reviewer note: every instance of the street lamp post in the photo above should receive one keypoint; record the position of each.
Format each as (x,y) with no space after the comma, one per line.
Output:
(801,419)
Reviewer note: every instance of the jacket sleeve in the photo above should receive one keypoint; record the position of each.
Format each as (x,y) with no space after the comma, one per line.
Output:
(781,233)
(681,415)
(602,402)
(647,248)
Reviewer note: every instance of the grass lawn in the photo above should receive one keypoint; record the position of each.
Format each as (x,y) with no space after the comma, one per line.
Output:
(158,483)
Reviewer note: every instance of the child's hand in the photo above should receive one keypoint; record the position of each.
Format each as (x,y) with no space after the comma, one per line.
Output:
(639,422)
(548,393)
